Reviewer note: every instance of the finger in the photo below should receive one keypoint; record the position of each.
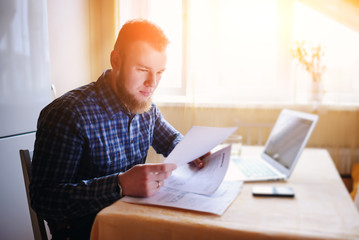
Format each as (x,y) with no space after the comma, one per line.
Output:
(158,176)
(158,184)
(161,167)
(198,162)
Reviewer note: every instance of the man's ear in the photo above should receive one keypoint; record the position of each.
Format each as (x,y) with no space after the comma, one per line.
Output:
(115,60)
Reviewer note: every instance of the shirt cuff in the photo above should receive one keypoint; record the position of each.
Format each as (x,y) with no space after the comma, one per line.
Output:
(119,187)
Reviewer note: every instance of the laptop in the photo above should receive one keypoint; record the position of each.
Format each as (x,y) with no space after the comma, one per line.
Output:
(282,151)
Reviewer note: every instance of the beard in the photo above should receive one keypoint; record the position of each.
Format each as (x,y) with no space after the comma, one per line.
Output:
(129,100)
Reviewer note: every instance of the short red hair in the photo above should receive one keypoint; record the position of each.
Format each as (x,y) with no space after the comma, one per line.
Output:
(140,30)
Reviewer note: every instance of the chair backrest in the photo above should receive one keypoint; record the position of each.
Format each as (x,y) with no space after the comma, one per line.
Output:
(38,224)
(356,199)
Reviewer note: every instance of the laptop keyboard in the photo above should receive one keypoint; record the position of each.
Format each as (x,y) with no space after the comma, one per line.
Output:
(254,167)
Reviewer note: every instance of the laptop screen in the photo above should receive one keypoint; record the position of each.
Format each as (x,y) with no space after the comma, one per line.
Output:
(287,138)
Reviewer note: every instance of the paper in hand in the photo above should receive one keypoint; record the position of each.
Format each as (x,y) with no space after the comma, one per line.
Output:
(197,142)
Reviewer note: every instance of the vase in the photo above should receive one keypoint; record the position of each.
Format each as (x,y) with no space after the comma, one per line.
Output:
(317,92)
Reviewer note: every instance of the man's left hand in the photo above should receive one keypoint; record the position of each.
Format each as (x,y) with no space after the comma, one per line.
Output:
(199,161)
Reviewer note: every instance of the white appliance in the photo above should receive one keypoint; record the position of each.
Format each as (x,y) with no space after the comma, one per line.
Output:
(25,89)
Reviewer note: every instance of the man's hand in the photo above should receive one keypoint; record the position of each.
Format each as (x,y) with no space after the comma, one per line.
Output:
(145,179)
(199,161)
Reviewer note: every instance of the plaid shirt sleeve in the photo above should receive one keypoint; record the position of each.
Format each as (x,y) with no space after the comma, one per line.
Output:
(165,136)
(56,192)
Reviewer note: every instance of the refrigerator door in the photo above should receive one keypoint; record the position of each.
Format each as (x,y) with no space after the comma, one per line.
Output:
(15,218)
(25,89)
(25,86)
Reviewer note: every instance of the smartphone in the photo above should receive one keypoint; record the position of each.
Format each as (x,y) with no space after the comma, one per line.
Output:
(271,191)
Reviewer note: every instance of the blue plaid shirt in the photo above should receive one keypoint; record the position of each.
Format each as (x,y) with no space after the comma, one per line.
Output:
(83,140)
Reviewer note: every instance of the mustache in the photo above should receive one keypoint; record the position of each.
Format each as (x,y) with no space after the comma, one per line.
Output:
(129,100)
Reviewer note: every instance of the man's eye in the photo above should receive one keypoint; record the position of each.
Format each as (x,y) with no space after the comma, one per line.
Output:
(143,69)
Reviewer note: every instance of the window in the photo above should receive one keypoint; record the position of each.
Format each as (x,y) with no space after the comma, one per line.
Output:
(239,52)
(167,15)
(341,77)
(234,51)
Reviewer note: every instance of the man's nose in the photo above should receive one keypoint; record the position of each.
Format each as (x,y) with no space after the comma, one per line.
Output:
(151,80)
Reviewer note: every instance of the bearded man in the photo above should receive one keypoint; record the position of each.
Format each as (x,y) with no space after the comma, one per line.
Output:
(92,142)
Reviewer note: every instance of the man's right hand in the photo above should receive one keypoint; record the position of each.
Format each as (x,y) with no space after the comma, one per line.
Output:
(145,179)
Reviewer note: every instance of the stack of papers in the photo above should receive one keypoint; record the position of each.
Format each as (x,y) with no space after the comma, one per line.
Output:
(192,188)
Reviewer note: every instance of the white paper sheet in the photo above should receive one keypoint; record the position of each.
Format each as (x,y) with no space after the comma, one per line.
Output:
(202,181)
(197,142)
(197,189)
(216,203)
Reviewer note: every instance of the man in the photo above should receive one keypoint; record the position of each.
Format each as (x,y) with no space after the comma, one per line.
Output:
(91,143)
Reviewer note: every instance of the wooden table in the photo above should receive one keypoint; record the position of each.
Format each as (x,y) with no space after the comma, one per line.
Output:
(321,209)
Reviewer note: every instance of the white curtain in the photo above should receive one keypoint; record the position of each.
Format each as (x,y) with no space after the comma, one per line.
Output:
(239,52)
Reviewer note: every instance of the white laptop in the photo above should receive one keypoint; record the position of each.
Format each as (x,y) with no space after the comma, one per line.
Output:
(283,148)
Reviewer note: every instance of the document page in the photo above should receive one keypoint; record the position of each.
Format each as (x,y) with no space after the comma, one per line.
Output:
(197,142)
(192,188)
(202,181)
(216,203)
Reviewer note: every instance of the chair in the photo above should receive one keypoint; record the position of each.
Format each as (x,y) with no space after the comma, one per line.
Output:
(356,199)
(355,192)
(38,224)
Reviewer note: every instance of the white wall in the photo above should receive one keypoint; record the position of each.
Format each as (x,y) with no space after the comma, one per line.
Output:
(69,37)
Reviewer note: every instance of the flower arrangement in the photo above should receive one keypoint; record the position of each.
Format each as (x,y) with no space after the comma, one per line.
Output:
(310,56)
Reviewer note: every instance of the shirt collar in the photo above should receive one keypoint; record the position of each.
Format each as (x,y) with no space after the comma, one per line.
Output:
(108,97)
